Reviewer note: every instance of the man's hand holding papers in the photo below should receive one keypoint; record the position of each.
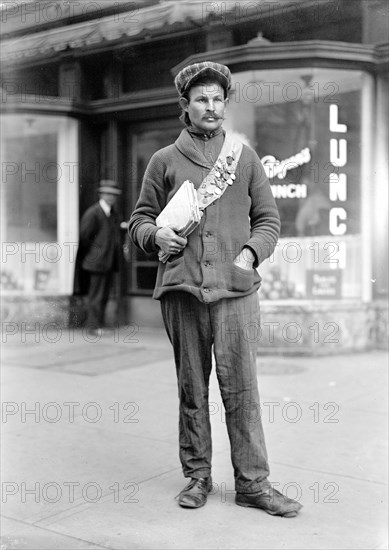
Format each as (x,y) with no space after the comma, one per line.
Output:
(178,219)
(169,241)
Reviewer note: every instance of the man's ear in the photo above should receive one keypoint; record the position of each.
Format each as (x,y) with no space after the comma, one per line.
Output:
(183,102)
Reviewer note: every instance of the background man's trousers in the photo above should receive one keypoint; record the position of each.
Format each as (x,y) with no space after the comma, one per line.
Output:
(232,327)
(98,293)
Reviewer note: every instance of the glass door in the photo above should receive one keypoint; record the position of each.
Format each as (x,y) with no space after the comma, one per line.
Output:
(143,140)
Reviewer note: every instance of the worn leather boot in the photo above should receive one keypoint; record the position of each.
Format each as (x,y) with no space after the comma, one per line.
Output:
(195,494)
(271,501)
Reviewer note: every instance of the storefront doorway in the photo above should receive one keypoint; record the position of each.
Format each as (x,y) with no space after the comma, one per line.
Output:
(140,269)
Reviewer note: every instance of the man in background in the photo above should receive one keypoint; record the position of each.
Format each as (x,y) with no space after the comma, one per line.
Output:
(98,254)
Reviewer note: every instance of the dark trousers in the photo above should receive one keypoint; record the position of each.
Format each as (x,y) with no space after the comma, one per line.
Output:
(98,293)
(231,326)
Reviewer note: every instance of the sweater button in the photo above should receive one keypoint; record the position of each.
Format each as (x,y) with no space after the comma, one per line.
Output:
(206,289)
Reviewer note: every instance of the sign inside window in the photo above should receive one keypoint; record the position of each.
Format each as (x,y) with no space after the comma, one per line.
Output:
(324,284)
(311,154)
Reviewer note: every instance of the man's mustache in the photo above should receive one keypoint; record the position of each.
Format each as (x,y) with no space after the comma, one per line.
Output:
(213,115)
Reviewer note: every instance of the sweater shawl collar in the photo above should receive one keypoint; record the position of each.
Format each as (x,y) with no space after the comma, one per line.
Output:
(185,145)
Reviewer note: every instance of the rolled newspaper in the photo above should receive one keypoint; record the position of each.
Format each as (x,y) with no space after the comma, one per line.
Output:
(181,211)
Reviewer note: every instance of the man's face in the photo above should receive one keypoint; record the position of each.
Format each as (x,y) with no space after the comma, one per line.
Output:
(109,198)
(206,106)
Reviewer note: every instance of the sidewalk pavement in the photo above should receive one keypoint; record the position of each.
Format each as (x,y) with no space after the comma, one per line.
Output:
(90,452)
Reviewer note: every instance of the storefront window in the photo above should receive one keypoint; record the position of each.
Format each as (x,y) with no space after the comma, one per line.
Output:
(39,204)
(305,125)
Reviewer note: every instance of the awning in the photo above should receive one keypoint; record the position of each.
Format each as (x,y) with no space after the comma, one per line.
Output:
(131,23)
(107,29)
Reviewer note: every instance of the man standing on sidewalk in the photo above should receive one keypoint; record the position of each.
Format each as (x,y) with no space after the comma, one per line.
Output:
(98,254)
(208,287)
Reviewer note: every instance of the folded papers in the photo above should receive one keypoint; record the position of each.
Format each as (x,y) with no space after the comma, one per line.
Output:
(182,211)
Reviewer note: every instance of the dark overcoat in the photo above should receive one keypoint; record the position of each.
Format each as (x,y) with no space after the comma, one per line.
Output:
(99,244)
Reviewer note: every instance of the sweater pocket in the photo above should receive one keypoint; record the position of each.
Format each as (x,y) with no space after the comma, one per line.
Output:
(240,279)
(174,273)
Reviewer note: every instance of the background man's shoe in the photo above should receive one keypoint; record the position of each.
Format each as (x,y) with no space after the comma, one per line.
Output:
(270,500)
(98,332)
(93,332)
(195,494)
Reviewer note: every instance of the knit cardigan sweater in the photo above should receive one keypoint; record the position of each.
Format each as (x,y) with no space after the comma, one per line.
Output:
(244,216)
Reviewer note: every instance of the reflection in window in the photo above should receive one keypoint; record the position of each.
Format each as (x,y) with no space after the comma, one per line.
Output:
(31,188)
(39,207)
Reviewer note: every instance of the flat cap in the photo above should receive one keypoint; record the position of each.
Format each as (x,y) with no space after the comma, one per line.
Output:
(191,73)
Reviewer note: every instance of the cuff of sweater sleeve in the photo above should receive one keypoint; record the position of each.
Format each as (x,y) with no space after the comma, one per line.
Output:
(256,263)
(151,242)
(146,238)
(261,250)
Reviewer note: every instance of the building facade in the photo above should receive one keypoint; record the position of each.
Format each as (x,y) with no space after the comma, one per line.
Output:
(87,94)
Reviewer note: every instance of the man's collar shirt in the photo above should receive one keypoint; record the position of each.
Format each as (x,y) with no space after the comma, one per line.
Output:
(106,207)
